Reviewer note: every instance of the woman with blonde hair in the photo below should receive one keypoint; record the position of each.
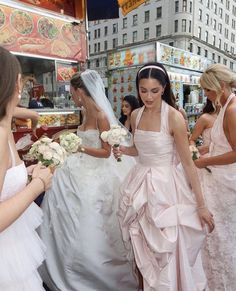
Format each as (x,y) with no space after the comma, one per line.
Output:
(220,251)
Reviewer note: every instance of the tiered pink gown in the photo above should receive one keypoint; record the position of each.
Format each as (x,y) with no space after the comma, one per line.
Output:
(21,250)
(158,215)
(220,251)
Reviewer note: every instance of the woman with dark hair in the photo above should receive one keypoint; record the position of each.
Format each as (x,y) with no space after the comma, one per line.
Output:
(85,250)
(129,104)
(161,217)
(21,250)
(203,127)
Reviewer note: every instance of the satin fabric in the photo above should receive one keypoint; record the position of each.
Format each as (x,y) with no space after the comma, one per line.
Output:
(158,214)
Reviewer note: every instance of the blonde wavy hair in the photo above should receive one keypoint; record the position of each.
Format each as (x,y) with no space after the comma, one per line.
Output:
(214,76)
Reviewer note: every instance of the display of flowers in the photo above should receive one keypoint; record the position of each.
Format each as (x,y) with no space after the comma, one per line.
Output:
(70,142)
(48,152)
(114,136)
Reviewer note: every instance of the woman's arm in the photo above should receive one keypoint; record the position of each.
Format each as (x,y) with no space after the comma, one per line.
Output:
(197,130)
(178,129)
(230,132)
(25,113)
(105,150)
(13,207)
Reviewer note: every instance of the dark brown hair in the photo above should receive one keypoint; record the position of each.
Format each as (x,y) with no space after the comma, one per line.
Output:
(10,70)
(77,82)
(159,75)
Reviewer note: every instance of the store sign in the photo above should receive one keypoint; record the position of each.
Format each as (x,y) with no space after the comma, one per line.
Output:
(129,5)
(36,34)
(180,58)
(131,57)
(59,6)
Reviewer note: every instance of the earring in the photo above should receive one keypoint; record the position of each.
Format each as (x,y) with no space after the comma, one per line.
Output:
(19,95)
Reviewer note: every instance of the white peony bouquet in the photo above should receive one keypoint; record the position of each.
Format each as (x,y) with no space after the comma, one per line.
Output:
(114,136)
(47,152)
(70,142)
(196,155)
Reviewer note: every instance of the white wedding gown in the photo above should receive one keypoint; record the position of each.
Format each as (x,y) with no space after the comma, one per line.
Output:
(85,251)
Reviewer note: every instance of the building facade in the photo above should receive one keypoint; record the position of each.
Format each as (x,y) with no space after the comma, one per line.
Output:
(203,27)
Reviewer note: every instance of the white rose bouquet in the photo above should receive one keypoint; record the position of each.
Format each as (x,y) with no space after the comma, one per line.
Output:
(47,152)
(70,142)
(114,136)
(196,155)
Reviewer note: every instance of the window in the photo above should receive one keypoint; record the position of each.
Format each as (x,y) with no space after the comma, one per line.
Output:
(95,33)
(231,64)
(158,30)
(214,24)
(176,25)
(207,19)
(146,33)
(225,62)
(233,24)
(226,33)
(213,56)
(199,32)
(114,42)
(208,3)
(99,32)
(190,6)
(105,30)
(219,59)
(124,38)
(95,47)
(191,47)
(206,36)
(215,8)
(185,5)
(232,37)
(135,20)
(199,50)
(206,53)
(115,28)
(97,63)
(227,4)
(226,47)
(183,25)
(221,12)
(200,14)
(147,16)
(159,12)
(125,22)
(176,6)
(135,36)
(214,40)
(220,27)
(232,50)
(226,18)
(105,45)
(220,43)
(190,26)
(99,47)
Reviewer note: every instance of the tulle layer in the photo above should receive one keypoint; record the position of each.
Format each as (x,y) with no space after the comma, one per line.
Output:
(22,252)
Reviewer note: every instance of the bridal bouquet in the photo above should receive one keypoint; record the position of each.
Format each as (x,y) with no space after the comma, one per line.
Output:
(114,136)
(196,155)
(70,142)
(47,152)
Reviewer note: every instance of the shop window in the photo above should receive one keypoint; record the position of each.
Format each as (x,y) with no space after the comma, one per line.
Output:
(146,16)
(158,30)
(159,12)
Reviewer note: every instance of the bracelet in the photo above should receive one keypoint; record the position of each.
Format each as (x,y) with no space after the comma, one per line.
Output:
(41,179)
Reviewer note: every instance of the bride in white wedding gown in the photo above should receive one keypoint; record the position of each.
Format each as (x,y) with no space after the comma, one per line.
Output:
(85,251)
